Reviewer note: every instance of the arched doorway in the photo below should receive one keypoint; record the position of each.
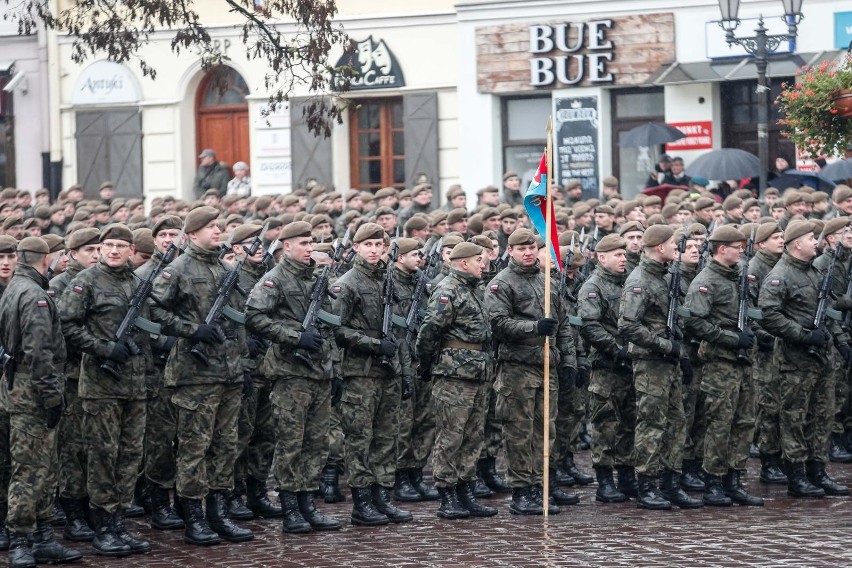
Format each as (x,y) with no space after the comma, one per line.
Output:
(221,116)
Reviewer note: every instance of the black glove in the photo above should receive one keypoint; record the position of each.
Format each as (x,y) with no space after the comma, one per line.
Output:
(425,372)
(675,350)
(686,371)
(766,343)
(678,335)
(818,337)
(310,341)
(120,353)
(583,376)
(546,326)
(168,344)
(54,414)
(407,386)
(255,347)
(336,390)
(207,334)
(745,339)
(387,347)
(248,384)
(567,377)
(622,356)
(846,353)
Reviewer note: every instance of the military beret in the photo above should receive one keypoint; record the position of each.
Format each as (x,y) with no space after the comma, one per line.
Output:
(383,211)
(695,229)
(316,191)
(796,229)
(566,236)
(141,219)
(105,185)
(572,184)
(407,244)
(9,193)
(578,260)
(42,212)
(791,197)
(416,223)
(521,236)
(580,209)
(233,219)
(143,240)
(819,196)
(83,237)
(628,206)
(655,219)
(117,231)
(41,191)
(745,228)
(704,203)
(166,222)
(101,209)
(54,242)
(630,227)
(30,223)
(670,210)
(262,202)
(539,242)
(465,250)
(610,181)
(841,193)
(369,231)
(405,193)
(771,191)
(383,192)
(318,220)
(451,241)
(474,224)
(807,190)
(752,202)
(296,229)
(421,188)
(483,241)
(726,234)
(245,232)
(489,212)
(509,214)
(818,226)
(593,202)
(454,190)
(134,203)
(436,217)
(487,189)
(610,242)
(81,214)
(290,200)
(657,235)
(33,244)
(686,206)
(510,174)
(7,244)
(12,220)
(605,209)
(456,215)
(366,197)
(766,230)
(732,202)
(199,218)
(652,200)
(834,225)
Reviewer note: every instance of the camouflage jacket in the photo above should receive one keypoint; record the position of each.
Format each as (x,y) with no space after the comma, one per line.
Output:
(91,311)
(644,310)
(159,354)
(713,303)
(839,280)
(184,294)
(455,337)
(250,275)
(633,259)
(571,308)
(31,332)
(359,305)
(599,300)
(404,284)
(275,310)
(758,267)
(57,287)
(515,303)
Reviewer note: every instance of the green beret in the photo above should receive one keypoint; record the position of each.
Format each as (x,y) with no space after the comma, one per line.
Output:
(369,231)
(580,209)
(262,202)
(571,184)
(13,220)
(117,231)
(695,229)
(245,232)
(834,225)
(416,223)
(610,181)
(766,230)
(669,210)
(318,220)
(199,217)
(406,244)
(450,241)
(42,212)
(482,241)
(143,240)
(7,244)
(732,202)
(33,244)
(771,191)
(83,237)
(510,174)
(657,235)
(509,214)
(465,250)
(841,193)
(796,229)
(422,188)
(727,234)
(454,190)
(488,189)
(521,236)
(456,215)
(54,242)
(436,217)
(604,209)
(296,229)
(792,197)
(609,243)
(565,238)
(166,222)
(489,212)
(652,200)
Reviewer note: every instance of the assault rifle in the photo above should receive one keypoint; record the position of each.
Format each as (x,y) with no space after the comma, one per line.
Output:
(269,255)
(674,292)
(319,291)
(5,358)
(823,307)
(847,318)
(563,276)
(433,260)
(704,251)
(503,261)
(742,315)
(387,302)
(415,313)
(132,320)
(51,270)
(588,266)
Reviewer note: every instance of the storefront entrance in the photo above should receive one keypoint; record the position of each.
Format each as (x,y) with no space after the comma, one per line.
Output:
(222,117)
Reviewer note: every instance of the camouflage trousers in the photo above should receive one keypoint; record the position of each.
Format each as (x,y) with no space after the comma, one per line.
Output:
(695,417)
(302,408)
(335,441)
(841,395)
(768,382)
(493,428)
(71,442)
(416,427)
(570,413)
(160,437)
(460,427)
(369,414)
(660,427)
(612,415)
(520,409)
(255,434)
(5,457)
(114,431)
(730,404)
(207,437)
(32,449)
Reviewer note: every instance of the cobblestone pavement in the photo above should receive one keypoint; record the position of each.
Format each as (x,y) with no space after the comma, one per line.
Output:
(786,532)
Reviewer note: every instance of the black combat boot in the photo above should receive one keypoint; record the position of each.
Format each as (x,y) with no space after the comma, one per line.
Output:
(294,522)
(220,521)
(847,440)
(671,490)
(402,488)
(689,479)
(76,529)
(330,485)
(46,550)
(562,497)
(234,501)
(427,492)
(714,494)
(4,533)
(163,517)
(317,520)
(382,502)
(450,507)
(537,492)
(798,484)
(559,476)
(818,476)
(733,488)
(258,501)
(464,492)
(524,503)
(607,493)
(571,469)
(770,470)
(20,555)
(59,518)
(627,480)
(363,511)
(837,451)
(197,530)
(119,527)
(487,471)
(106,542)
(649,495)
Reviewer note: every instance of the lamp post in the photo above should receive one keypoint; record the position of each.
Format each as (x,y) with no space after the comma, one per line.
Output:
(760,45)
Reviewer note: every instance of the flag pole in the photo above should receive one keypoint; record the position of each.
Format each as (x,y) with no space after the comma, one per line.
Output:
(548,223)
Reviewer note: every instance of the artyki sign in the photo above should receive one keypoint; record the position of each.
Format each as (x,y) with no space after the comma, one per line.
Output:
(374,66)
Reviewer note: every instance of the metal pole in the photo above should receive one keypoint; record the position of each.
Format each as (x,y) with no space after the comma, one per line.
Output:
(761,60)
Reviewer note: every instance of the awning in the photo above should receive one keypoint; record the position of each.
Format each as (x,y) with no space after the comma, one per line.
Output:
(6,67)
(782,65)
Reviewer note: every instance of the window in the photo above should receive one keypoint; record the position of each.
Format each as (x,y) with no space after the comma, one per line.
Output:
(524,134)
(377,144)
(632,108)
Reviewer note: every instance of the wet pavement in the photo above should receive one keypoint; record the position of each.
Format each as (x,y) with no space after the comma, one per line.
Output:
(786,532)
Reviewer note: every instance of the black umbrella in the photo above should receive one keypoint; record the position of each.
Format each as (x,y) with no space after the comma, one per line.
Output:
(798,178)
(839,170)
(650,134)
(725,163)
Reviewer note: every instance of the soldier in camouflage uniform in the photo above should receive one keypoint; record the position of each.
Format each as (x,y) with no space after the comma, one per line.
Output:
(302,384)
(31,334)
(612,404)
(453,349)
(369,407)
(632,232)
(207,396)
(113,410)
(788,301)
(8,261)
(658,371)
(515,304)
(713,301)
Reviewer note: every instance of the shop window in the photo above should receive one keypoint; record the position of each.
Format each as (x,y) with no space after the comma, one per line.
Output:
(524,134)
(631,108)
(739,119)
(377,144)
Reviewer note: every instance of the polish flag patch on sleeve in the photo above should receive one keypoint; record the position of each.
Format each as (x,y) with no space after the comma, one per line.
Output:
(167,274)
(752,278)
(593,295)
(637,290)
(703,289)
(775,282)
(77,289)
(493,287)
(336,289)
(41,303)
(444,299)
(268,283)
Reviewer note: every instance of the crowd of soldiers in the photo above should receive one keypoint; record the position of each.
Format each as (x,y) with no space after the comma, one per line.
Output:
(169,363)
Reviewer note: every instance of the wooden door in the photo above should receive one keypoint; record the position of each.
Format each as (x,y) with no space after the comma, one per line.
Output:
(109,147)
(222,118)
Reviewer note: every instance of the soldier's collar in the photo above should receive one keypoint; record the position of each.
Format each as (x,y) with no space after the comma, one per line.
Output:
(468,279)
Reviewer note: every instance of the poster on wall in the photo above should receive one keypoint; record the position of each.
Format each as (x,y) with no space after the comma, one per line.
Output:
(576,144)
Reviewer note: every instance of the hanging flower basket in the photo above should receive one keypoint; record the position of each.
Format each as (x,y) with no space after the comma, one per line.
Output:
(843,103)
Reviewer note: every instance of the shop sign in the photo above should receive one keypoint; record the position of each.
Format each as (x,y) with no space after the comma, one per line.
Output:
(576,146)
(374,66)
(699,136)
(842,29)
(105,82)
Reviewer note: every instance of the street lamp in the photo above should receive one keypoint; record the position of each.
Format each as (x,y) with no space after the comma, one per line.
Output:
(760,45)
